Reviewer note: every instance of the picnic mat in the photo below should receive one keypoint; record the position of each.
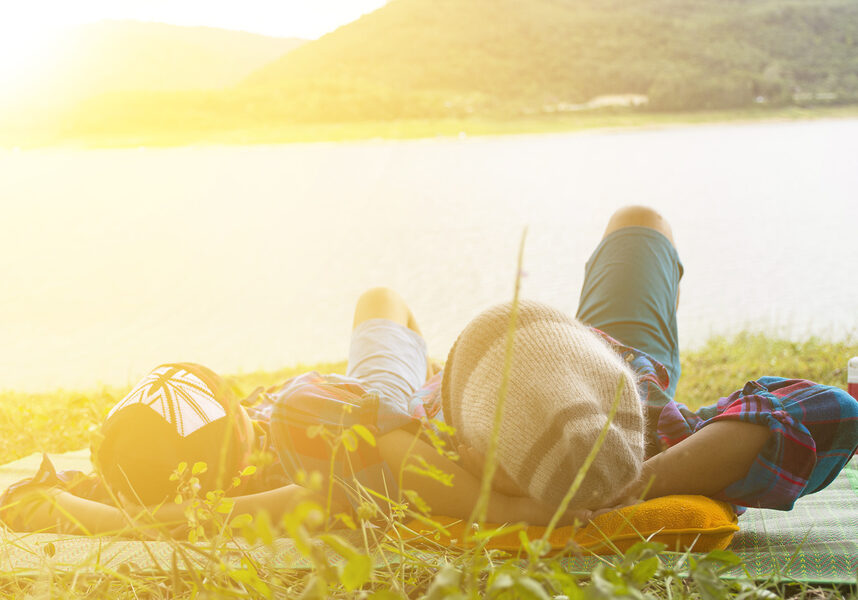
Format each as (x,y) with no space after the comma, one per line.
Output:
(816,542)
(31,552)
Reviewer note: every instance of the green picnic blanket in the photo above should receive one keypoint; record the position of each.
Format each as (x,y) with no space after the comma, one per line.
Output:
(816,542)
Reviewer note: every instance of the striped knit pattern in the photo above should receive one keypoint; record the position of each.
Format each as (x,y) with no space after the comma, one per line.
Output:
(562,385)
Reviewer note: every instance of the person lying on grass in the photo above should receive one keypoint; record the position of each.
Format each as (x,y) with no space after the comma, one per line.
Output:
(767,444)
(373,416)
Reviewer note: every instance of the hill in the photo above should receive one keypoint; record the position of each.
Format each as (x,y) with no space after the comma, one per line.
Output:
(500,59)
(115,56)
(544,54)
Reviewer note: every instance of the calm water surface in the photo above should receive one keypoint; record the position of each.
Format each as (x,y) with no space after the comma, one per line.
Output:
(112,261)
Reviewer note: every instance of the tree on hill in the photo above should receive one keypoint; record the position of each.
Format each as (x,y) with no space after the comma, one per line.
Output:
(505,58)
(687,54)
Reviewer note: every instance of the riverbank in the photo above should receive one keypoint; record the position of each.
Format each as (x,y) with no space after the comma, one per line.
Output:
(423,128)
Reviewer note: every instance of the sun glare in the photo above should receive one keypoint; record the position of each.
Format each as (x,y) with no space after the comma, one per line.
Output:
(23,47)
(28,29)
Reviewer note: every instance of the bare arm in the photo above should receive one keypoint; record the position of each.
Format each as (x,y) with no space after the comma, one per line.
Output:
(705,463)
(460,499)
(276,502)
(395,447)
(56,510)
(456,501)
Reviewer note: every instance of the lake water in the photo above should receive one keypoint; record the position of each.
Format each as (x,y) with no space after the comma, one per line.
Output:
(112,261)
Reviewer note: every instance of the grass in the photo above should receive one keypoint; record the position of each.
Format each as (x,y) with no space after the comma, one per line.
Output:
(274,133)
(724,364)
(64,420)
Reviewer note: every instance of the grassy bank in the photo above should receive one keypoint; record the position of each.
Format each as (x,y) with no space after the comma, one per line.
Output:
(423,128)
(63,420)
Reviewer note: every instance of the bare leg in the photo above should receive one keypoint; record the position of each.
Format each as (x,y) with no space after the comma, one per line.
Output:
(716,456)
(631,291)
(385,303)
(640,216)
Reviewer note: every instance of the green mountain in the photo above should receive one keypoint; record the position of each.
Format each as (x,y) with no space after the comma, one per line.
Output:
(428,59)
(517,56)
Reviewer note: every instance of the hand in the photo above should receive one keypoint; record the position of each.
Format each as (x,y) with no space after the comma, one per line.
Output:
(153,521)
(624,502)
(637,490)
(533,512)
(33,508)
(632,494)
(474,462)
(432,368)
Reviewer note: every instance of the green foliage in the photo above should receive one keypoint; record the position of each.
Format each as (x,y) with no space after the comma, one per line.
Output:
(454,59)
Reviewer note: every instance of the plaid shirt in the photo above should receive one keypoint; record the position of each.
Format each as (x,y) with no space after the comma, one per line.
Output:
(814,430)
(315,424)
(814,433)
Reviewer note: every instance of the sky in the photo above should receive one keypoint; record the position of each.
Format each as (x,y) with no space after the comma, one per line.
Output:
(27,27)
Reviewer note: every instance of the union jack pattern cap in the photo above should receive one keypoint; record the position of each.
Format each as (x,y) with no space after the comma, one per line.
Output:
(178,395)
(179,412)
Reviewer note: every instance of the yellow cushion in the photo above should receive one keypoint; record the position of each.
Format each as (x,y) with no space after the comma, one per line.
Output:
(681,522)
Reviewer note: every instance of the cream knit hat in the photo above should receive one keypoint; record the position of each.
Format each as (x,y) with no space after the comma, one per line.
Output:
(562,384)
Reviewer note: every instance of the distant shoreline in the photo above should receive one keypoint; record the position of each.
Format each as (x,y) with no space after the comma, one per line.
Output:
(430,128)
